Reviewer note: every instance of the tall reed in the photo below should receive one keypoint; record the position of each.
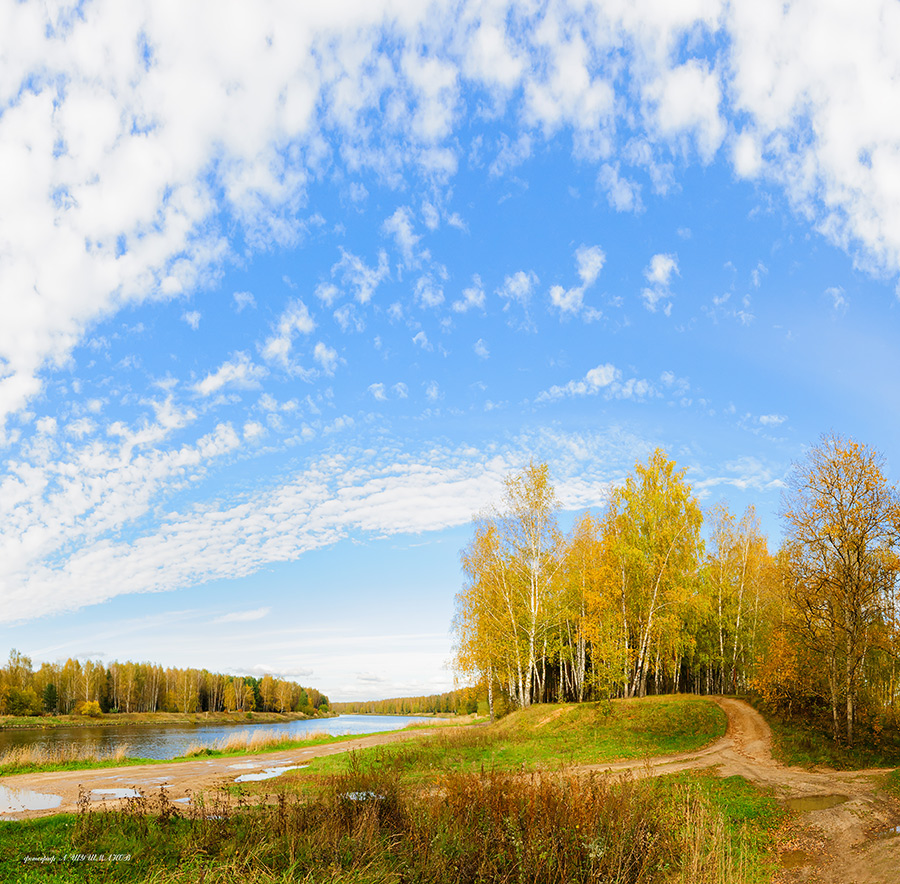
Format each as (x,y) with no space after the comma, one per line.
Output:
(251,741)
(58,754)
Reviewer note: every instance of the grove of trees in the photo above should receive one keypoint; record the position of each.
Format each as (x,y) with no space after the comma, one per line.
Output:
(457,702)
(655,595)
(143,687)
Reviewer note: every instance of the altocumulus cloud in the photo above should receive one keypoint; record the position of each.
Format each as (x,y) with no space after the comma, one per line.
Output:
(114,136)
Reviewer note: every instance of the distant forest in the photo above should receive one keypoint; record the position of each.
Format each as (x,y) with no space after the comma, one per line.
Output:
(457,702)
(88,687)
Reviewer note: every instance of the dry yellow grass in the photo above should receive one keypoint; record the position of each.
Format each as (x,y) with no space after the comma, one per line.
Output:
(251,741)
(62,753)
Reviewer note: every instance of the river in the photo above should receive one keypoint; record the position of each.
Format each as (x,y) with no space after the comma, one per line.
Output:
(170,741)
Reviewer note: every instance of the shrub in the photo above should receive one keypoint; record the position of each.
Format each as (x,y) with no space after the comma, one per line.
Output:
(90,708)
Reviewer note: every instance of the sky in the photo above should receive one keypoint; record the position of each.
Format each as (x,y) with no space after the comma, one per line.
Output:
(286,290)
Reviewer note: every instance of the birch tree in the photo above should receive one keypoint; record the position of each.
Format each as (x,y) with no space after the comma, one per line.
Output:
(654,536)
(842,537)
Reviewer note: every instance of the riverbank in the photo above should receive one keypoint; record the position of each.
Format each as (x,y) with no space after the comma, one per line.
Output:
(113,719)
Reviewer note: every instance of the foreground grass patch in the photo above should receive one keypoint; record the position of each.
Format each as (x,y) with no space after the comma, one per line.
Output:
(364,825)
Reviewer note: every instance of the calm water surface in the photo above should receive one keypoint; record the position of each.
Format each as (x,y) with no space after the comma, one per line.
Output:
(170,741)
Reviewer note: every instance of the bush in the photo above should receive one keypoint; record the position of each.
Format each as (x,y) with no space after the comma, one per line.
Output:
(90,708)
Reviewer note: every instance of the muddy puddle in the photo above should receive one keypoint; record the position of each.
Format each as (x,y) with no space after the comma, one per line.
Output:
(814,802)
(794,859)
(113,794)
(892,832)
(268,774)
(19,800)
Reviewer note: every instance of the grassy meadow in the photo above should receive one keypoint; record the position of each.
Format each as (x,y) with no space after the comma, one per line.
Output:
(497,803)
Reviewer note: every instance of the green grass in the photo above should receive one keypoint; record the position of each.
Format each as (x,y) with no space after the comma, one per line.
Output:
(750,818)
(550,736)
(810,744)
(892,783)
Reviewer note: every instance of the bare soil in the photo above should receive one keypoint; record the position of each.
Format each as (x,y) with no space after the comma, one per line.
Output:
(846,843)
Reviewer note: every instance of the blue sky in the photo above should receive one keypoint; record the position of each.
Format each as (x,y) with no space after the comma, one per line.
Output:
(286,292)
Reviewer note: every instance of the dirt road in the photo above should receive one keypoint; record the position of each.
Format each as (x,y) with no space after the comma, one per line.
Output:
(850,842)
(845,843)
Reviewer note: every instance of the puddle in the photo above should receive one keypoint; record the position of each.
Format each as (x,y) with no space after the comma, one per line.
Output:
(893,832)
(243,766)
(793,859)
(267,774)
(814,802)
(19,800)
(363,796)
(112,794)
(181,801)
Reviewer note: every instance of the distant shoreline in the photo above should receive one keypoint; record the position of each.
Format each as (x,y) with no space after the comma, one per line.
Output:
(156,719)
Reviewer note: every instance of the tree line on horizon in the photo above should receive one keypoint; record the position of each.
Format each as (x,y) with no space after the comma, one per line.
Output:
(458,702)
(90,687)
(637,600)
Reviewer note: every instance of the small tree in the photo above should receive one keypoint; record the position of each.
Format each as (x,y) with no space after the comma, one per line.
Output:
(51,699)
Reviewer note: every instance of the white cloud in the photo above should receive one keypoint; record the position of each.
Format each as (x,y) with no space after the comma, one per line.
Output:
(433,391)
(511,154)
(481,349)
(295,320)
(473,296)
(243,300)
(589,260)
(377,390)
(429,293)
(687,103)
(401,390)
(421,340)
(431,215)
(327,292)
(606,379)
(192,318)
(567,300)
(622,194)
(354,272)
(254,430)
(659,274)
(326,356)
(838,301)
(517,287)
(244,616)
(348,318)
(240,371)
(400,226)
(772,420)
(661,269)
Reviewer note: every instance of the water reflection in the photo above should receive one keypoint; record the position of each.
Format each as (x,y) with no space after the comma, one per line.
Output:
(170,741)
(17,800)
(267,774)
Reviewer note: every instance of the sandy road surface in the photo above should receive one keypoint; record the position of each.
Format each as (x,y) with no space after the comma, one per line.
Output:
(842,844)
